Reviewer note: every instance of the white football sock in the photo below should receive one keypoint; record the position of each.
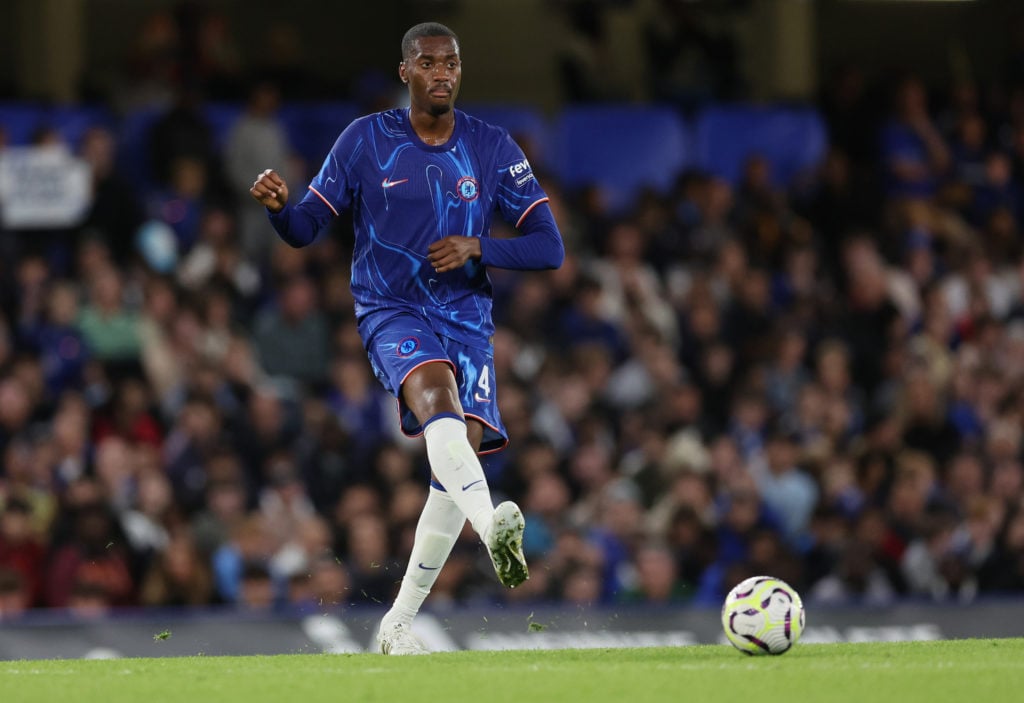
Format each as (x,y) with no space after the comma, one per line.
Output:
(457,467)
(436,532)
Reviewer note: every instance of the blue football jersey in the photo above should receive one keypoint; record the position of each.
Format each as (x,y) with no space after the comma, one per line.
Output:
(405,194)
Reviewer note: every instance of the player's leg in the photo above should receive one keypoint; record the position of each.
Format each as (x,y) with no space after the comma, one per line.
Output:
(396,350)
(432,395)
(450,445)
(478,398)
(401,350)
(438,528)
(436,400)
(412,362)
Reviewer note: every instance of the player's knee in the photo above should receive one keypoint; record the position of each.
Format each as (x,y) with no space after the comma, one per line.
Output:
(439,399)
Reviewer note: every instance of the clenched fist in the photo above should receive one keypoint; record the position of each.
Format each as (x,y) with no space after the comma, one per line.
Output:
(270,190)
(453,252)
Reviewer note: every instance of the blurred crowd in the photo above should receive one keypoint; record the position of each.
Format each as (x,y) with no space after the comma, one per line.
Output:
(820,380)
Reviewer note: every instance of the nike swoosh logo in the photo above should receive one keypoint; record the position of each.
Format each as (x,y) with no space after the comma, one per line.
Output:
(391,184)
(470,485)
(476,396)
(429,568)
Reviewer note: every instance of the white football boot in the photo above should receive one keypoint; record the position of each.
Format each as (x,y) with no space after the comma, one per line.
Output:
(397,639)
(504,542)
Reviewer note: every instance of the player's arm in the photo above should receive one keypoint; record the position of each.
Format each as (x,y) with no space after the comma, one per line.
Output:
(524,205)
(297,225)
(540,247)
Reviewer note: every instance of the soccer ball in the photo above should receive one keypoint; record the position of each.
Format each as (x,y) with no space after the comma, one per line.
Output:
(763,615)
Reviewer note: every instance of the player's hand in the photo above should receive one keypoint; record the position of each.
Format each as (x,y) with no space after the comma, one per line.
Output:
(453,252)
(270,190)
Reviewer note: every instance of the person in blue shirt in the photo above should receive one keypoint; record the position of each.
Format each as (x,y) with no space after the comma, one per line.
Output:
(422,184)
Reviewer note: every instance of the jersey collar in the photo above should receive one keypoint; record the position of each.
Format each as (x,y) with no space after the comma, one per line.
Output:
(447,146)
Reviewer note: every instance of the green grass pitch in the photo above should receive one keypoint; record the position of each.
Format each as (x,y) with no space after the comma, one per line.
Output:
(976,671)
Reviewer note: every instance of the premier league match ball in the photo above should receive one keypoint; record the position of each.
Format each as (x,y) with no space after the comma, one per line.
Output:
(763,615)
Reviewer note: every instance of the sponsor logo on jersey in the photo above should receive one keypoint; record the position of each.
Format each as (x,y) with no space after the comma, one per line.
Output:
(387,183)
(408,346)
(521,173)
(468,188)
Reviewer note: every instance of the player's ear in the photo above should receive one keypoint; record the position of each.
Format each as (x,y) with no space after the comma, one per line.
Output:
(401,71)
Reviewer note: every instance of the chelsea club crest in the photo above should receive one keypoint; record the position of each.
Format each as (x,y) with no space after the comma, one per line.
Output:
(408,346)
(467,188)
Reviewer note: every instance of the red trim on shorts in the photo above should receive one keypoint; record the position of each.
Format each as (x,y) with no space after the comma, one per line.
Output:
(496,431)
(423,363)
(469,416)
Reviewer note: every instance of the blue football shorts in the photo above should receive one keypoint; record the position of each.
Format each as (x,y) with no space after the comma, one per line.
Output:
(405,342)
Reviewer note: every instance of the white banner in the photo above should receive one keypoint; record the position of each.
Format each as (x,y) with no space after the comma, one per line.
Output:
(43,187)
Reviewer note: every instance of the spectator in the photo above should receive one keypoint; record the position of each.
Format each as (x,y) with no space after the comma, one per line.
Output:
(257,590)
(362,409)
(257,138)
(190,443)
(116,211)
(283,502)
(148,523)
(291,338)
(129,416)
(375,576)
(547,499)
(913,150)
(15,597)
(786,490)
(218,259)
(180,204)
(327,585)
(178,577)
(22,557)
(657,577)
(109,326)
(17,407)
(244,558)
(181,134)
(62,349)
(224,509)
(93,570)
(857,580)
(69,446)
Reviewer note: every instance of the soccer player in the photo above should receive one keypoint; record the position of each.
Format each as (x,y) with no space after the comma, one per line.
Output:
(422,184)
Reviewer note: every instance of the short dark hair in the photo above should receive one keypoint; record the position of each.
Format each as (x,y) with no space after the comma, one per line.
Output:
(424,29)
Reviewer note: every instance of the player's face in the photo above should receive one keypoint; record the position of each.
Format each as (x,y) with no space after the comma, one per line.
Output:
(433,74)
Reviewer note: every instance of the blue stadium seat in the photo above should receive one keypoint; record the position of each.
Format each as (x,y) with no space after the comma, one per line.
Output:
(522,121)
(20,122)
(73,121)
(793,140)
(133,146)
(220,117)
(621,149)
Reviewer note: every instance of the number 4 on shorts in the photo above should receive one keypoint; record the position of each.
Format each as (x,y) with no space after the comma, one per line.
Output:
(484,384)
